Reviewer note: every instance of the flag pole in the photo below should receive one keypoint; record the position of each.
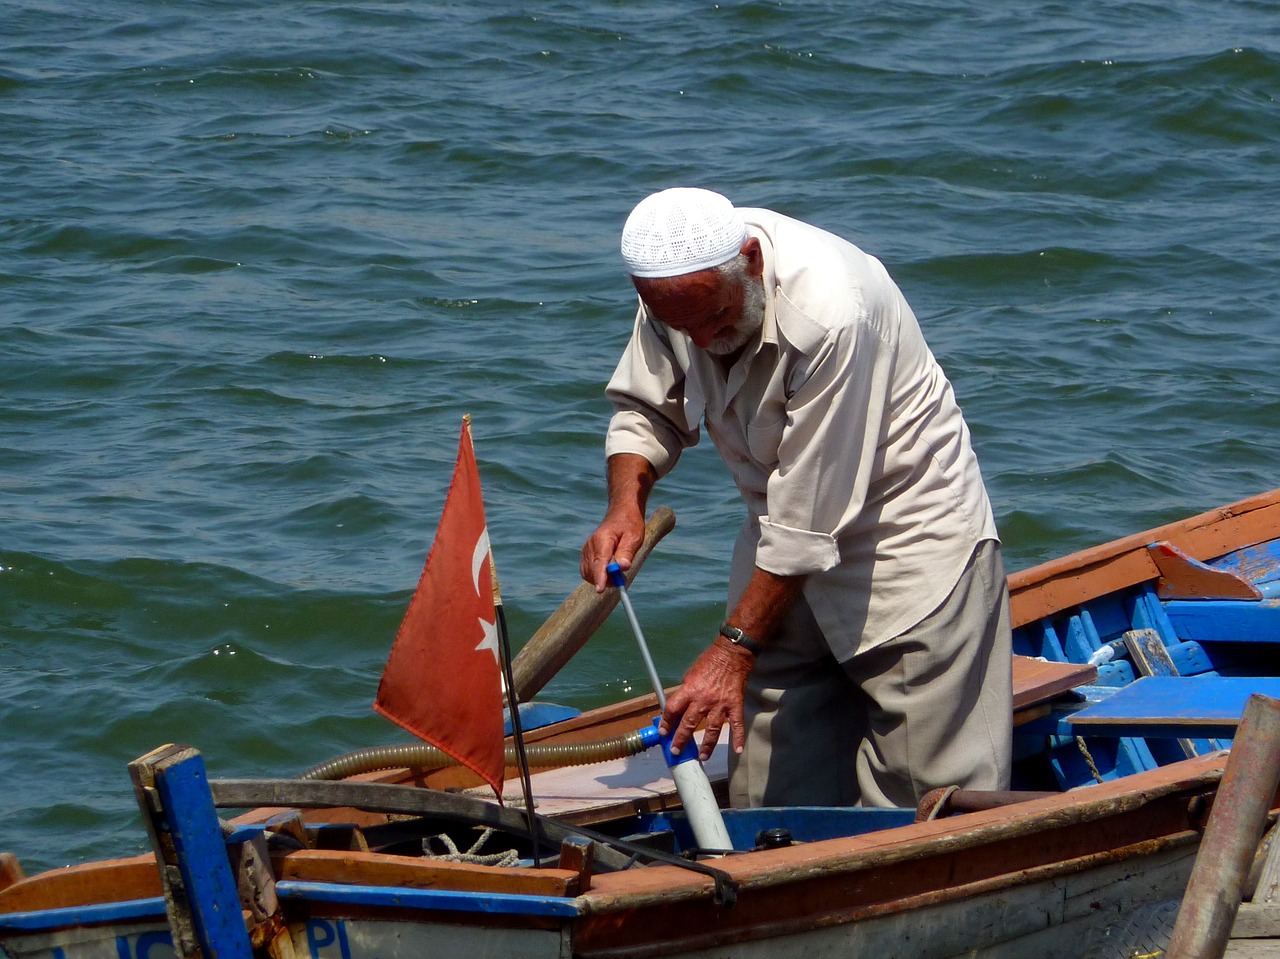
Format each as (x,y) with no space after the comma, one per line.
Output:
(513,705)
(517,729)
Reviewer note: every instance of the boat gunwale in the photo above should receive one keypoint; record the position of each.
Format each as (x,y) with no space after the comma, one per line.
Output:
(602,940)
(918,841)
(1059,584)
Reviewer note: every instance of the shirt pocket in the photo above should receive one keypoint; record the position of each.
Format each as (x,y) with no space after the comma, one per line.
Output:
(693,405)
(764,433)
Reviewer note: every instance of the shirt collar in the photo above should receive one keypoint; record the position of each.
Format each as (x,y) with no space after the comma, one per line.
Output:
(769,330)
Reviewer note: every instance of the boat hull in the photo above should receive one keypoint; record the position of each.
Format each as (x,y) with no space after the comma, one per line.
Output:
(984,883)
(1046,917)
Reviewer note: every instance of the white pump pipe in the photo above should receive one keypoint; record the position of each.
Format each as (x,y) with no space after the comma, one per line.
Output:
(691,780)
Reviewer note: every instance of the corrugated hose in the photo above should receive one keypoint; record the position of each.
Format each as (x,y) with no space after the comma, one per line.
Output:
(427,757)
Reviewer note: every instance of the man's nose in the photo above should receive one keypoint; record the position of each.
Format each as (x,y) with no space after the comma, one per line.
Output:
(702,337)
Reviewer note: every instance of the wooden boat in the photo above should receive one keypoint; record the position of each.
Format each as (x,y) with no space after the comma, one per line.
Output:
(1135,659)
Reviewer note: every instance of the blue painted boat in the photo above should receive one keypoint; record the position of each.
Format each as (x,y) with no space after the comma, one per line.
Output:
(1182,622)
(1134,661)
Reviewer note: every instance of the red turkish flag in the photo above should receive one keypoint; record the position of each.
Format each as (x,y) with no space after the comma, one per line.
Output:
(442,681)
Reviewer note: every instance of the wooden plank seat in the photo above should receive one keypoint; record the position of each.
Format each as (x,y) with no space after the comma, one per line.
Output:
(1036,681)
(1174,706)
(379,869)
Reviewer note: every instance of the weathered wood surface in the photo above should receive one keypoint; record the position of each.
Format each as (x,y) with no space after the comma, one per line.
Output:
(646,784)
(1257,920)
(586,794)
(1045,917)
(1253,949)
(376,869)
(578,856)
(1071,580)
(1150,657)
(1260,918)
(1148,653)
(1266,888)
(977,882)
(1236,825)
(200,891)
(1035,681)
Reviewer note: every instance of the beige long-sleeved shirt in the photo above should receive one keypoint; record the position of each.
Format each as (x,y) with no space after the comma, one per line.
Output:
(839,427)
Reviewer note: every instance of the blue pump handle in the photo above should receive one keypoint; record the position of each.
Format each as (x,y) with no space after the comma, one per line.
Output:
(687,755)
(650,736)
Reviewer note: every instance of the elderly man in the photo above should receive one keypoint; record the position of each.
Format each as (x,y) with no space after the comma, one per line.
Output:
(865,657)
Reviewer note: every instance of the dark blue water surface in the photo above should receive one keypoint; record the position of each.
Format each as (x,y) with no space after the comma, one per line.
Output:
(258,259)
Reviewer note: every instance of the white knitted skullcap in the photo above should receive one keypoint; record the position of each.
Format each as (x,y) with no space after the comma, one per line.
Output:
(681,230)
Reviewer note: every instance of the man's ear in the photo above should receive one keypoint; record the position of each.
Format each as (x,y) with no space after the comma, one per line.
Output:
(755,256)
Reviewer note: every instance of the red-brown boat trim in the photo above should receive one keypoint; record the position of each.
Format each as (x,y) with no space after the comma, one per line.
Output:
(1064,583)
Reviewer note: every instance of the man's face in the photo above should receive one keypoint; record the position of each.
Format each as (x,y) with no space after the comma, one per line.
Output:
(717,313)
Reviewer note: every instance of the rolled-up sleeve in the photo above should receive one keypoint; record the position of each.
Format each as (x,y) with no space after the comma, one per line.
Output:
(651,416)
(827,456)
(787,551)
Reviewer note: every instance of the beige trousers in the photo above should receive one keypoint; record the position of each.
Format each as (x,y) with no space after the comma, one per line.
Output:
(931,707)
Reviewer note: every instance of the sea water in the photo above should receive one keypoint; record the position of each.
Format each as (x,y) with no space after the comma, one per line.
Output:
(259,259)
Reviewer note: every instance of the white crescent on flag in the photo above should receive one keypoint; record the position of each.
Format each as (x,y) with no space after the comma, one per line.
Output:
(478,558)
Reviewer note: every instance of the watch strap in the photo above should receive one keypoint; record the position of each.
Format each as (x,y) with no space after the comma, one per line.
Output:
(736,636)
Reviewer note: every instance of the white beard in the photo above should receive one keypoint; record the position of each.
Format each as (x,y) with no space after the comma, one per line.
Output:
(748,326)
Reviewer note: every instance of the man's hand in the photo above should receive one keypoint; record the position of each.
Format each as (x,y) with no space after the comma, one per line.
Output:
(621,532)
(713,689)
(617,537)
(715,686)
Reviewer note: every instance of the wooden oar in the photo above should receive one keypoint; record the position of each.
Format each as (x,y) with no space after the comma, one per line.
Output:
(567,629)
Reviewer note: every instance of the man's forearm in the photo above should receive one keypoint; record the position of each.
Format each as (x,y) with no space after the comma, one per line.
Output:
(765,603)
(631,478)
(621,532)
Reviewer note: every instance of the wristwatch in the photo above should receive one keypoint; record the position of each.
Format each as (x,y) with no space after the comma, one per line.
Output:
(736,636)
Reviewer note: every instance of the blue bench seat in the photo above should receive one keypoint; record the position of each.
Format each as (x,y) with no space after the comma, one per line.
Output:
(1174,706)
